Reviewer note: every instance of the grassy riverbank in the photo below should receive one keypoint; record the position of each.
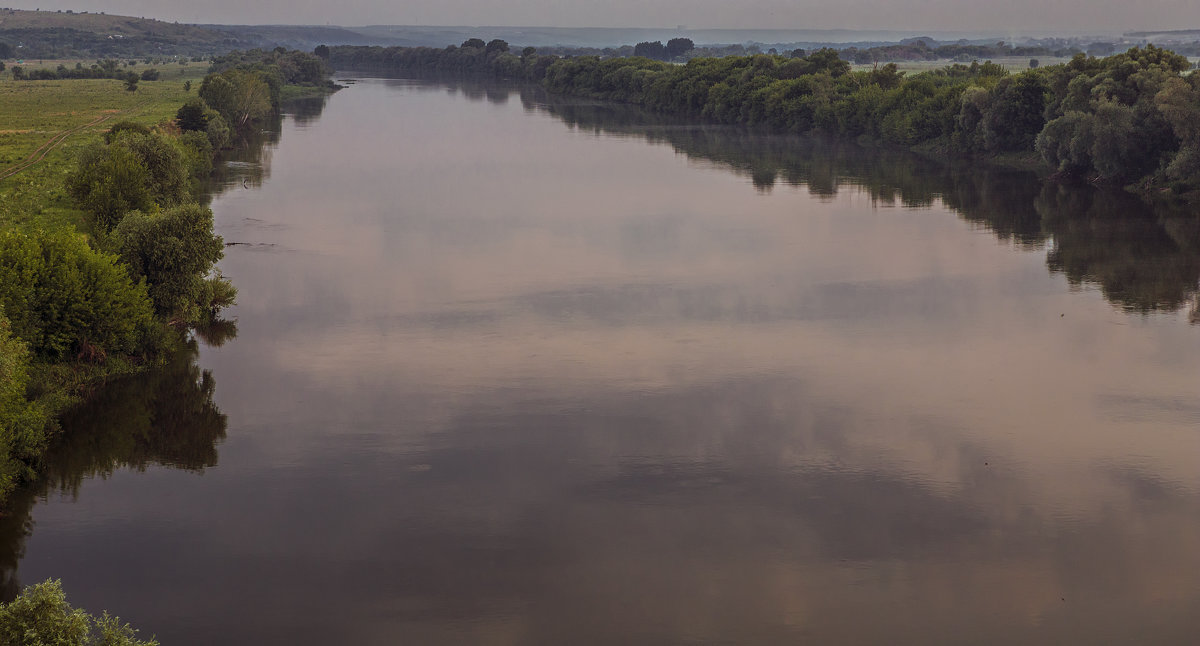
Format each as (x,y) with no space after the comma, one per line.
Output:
(44,125)
(106,256)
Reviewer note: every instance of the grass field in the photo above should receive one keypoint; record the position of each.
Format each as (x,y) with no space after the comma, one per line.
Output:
(45,123)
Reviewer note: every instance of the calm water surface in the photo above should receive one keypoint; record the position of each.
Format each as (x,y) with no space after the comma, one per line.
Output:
(509,370)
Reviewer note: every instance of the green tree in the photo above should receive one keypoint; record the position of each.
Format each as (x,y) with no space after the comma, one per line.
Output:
(41,616)
(654,50)
(22,423)
(173,252)
(496,46)
(192,116)
(252,100)
(217,92)
(217,131)
(64,299)
(238,95)
(108,182)
(679,46)
(163,160)
(1015,114)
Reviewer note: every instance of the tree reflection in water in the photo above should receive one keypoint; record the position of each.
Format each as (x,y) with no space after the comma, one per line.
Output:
(1143,258)
(163,417)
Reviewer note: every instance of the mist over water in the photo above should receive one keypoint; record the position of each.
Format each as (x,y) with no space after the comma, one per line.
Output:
(512,369)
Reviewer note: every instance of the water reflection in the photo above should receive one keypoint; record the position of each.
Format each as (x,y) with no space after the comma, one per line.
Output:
(1144,258)
(164,417)
(539,384)
(247,163)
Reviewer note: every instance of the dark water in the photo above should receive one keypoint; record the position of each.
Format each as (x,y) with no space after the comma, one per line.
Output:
(515,370)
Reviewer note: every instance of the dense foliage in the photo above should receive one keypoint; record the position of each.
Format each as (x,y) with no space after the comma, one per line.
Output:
(21,421)
(173,251)
(1121,119)
(136,169)
(41,616)
(64,299)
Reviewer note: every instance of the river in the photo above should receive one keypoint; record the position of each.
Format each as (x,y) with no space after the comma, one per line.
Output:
(511,369)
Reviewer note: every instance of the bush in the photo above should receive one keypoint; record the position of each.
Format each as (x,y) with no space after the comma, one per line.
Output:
(42,616)
(164,161)
(64,299)
(22,424)
(136,171)
(109,182)
(173,252)
(192,116)
(125,126)
(217,131)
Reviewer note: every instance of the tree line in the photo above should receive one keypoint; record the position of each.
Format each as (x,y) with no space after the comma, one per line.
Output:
(923,49)
(103,69)
(1130,118)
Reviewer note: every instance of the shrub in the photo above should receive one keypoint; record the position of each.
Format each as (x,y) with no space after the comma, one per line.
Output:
(172,251)
(109,182)
(64,299)
(191,116)
(22,424)
(137,170)
(41,615)
(125,126)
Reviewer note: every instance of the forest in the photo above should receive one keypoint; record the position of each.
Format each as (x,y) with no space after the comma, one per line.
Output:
(1129,119)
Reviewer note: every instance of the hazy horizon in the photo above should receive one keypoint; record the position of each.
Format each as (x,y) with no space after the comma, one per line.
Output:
(1018,17)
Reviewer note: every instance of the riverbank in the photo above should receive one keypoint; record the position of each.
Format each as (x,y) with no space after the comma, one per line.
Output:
(106,254)
(1126,120)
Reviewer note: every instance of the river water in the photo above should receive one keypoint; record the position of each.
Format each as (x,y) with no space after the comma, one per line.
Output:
(510,369)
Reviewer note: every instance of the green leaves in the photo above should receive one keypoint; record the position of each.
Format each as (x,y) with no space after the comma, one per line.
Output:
(135,171)
(64,299)
(22,423)
(41,616)
(172,251)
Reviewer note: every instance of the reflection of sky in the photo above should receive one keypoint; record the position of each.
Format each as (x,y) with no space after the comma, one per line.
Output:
(499,381)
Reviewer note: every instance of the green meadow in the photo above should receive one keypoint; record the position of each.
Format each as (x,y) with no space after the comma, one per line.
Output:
(43,125)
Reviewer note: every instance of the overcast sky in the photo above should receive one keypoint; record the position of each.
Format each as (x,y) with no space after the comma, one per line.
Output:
(916,15)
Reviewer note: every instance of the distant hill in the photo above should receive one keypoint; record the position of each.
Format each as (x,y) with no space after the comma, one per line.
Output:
(55,34)
(304,37)
(51,34)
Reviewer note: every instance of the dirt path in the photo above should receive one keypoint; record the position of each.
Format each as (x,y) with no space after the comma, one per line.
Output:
(54,142)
